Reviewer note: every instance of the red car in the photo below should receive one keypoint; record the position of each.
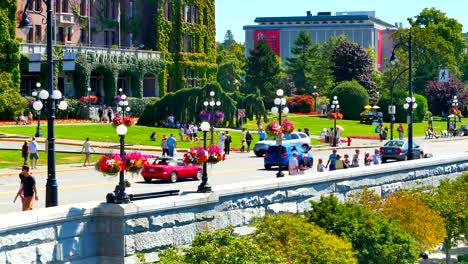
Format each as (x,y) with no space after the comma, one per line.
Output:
(170,169)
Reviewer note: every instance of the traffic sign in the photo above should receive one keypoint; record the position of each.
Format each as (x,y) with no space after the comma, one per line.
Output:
(444,75)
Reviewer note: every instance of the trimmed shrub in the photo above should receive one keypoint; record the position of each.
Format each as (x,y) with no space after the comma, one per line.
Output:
(352,98)
(301,103)
(401,113)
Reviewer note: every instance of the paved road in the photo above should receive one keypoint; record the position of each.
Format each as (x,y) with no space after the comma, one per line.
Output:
(84,184)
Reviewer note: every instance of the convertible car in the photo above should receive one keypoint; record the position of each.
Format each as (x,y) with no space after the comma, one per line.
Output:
(170,169)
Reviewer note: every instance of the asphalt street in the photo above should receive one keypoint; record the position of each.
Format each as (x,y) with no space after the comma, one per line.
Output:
(79,184)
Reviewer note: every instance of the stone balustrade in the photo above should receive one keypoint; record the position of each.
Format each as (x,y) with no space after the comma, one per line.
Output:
(106,233)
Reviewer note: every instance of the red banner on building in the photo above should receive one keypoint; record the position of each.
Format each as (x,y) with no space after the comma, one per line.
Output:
(272,38)
(379,49)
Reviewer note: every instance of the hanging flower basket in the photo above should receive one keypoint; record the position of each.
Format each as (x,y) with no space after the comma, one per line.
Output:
(204,115)
(219,116)
(118,120)
(455,111)
(109,164)
(133,162)
(272,129)
(336,115)
(92,99)
(196,155)
(287,127)
(215,154)
(117,99)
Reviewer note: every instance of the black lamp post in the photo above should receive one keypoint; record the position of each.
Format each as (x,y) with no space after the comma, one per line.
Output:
(392,107)
(336,107)
(315,95)
(204,185)
(454,106)
(38,108)
(410,104)
(25,23)
(122,196)
(89,105)
(280,108)
(212,103)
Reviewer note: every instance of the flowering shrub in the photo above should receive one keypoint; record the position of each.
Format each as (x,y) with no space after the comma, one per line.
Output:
(287,127)
(219,116)
(198,155)
(204,115)
(118,120)
(301,103)
(271,129)
(109,164)
(133,162)
(117,99)
(89,99)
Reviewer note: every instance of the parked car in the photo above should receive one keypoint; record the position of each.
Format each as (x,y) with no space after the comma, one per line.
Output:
(271,156)
(398,150)
(300,138)
(170,169)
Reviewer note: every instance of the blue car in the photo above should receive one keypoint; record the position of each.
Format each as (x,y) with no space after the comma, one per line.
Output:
(287,150)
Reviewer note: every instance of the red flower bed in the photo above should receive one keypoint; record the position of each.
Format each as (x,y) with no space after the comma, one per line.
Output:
(301,103)
(365,137)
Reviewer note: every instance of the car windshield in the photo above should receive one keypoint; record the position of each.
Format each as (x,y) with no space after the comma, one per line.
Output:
(294,136)
(302,135)
(394,144)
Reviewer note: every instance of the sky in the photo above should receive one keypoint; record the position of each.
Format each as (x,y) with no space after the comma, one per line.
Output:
(234,14)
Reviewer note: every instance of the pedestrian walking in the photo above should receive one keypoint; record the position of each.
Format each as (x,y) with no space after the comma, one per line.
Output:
(221,140)
(400,131)
(181,133)
(20,190)
(356,160)
(109,114)
(293,165)
(87,151)
(25,153)
(29,189)
(377,158)
(33,153)
(164,146)
(242,138)
(171,144)
(153,136)
(332,160)
(331,136)
(430,121)
(248,139)
(195,134)
(227,143)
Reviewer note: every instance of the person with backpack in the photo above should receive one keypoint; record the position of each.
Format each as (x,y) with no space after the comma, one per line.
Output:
(227,143)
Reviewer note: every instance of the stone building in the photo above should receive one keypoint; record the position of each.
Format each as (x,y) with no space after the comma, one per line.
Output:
(147,48)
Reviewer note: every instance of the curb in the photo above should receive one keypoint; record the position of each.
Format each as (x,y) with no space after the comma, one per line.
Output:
(12,173)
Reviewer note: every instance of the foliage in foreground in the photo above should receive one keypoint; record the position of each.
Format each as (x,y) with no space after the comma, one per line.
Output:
(298,241)
(220,246)
(413,216)
(374,238)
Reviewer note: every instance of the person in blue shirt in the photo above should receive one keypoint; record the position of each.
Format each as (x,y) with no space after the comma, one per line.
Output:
(171,144)
(332,160)
(261,135)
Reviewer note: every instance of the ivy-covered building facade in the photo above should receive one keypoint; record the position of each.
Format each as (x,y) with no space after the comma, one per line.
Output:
(147,48)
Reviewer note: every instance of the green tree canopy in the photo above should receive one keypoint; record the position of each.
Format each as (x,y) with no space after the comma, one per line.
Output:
(375,239)
(298,241)
(352,97)
(11,102)
(301,62)
(9,45)
(262,72)
(228,38)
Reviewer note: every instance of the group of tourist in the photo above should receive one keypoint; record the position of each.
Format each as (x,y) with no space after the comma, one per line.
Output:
(189,132)
(30,151)
(335,160)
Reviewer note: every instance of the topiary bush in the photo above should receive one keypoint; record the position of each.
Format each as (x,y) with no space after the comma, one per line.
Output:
(301,103)
(352,98)
(401,113)
(138,105)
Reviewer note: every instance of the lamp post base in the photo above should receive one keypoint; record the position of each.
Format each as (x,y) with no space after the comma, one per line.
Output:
(122,198)
(38,132)
(279,174)
(204,188)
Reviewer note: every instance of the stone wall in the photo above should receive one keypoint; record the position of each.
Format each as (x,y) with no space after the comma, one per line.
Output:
(106,233)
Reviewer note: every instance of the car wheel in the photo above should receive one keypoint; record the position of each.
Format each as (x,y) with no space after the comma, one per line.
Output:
(147,180)
(421,155)
(384,160)
(173,177)
(199,175)
(258,153)
(268,167)
(306,147)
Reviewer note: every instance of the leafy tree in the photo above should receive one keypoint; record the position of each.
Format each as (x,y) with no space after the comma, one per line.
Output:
(11,102)
(9,45)
(301,103)
(450,200)
(301,62)
(298,241)
(229,76)
(228,39)
(440,94)
(352,97)
(407,209)
(221,246)
(351,62)
(401,113)
(376,239)
(262,72)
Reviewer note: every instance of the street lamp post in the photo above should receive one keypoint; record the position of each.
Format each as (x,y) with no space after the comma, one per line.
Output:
(25,23)
(454,106)
(212,103)
(204,186)
(280,108)
(38,108)
(123,107)
(89,105)
(335,106)
(410,100)
(315,95)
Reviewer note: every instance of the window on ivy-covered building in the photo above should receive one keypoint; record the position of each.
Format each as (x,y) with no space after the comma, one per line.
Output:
(188,45)
(38,5)
(38,33)
(30,36)
(83,8)
(168,10)
(64,6)
(196,17)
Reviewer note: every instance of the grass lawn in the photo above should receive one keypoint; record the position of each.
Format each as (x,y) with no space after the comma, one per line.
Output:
(12,158)
(106,133)
(351,127)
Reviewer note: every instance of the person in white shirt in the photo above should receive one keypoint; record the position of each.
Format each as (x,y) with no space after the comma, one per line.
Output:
(87,151)
(293,165)
(221,139)
(33,153)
